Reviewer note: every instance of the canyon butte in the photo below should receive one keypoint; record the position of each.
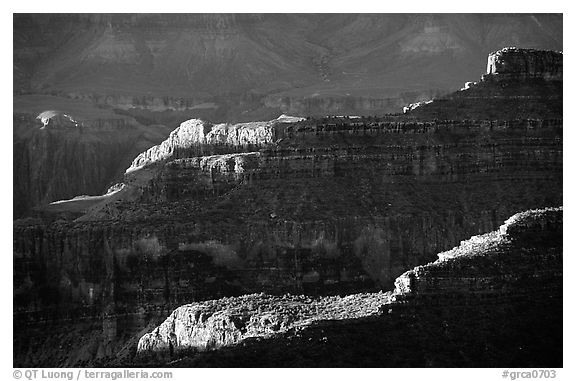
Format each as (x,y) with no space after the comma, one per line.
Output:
(275,243)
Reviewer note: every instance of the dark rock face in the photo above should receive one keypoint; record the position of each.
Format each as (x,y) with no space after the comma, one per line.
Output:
(497,278)
(163,69)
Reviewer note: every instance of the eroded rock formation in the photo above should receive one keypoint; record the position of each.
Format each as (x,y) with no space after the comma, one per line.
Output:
(218,323)
(196,137)
(519,264)
(264,221)
(500,264)
(518,84)
(523,64)
(318,206)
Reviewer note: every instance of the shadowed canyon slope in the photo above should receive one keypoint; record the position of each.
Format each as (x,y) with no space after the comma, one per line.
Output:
(318,206)
(66,155)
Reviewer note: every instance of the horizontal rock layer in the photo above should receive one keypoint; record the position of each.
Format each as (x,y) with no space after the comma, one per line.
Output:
(229,235)
(197,137)
(264,221)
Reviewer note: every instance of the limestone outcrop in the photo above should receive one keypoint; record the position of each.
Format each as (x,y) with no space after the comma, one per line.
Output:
(56,119)
(217,323)
(195,136)
(522,64)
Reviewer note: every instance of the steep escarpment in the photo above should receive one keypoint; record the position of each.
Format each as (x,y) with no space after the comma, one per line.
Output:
(522,64)
(414,190)
(505,286)
(403,175)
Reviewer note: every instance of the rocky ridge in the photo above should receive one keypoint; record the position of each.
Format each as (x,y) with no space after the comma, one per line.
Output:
(198,134)
(499,267)
(494,264)
(216,323)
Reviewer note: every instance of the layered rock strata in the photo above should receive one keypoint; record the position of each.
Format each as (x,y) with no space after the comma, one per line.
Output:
(518,84)
(523,64)
(203,227)
(499,264)
(199,137)
(519,264)
(318,206)
(393,203)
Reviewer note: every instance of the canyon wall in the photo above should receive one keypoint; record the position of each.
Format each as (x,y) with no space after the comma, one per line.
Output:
(199,138)
(321,206)
(505,286)
(320,212)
